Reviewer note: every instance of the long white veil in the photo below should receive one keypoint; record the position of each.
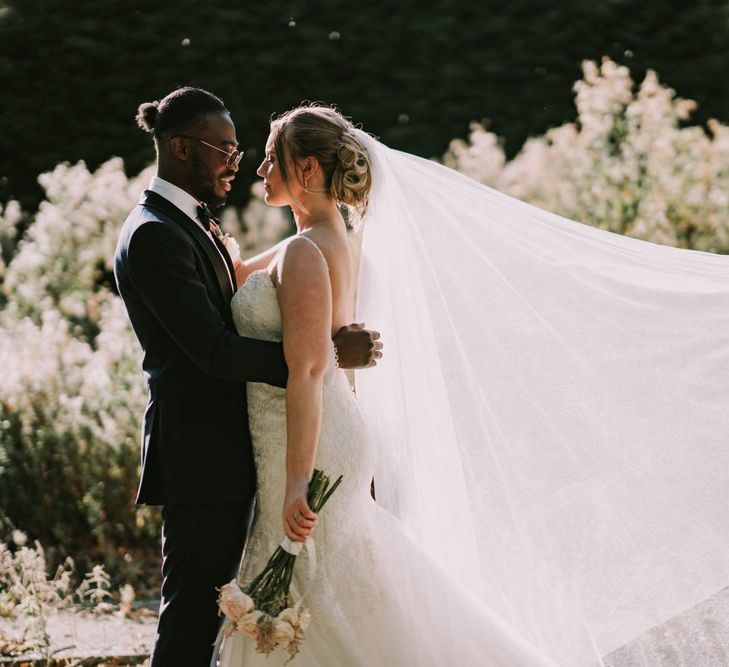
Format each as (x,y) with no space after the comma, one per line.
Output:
(552,410)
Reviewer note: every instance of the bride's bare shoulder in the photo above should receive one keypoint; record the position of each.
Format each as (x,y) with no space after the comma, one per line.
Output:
(299,251)
(332,242)
(331,246)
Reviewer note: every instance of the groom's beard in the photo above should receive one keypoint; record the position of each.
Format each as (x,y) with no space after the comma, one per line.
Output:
(207,184)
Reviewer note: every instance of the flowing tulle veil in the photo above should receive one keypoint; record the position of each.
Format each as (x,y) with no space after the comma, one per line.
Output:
(552,411)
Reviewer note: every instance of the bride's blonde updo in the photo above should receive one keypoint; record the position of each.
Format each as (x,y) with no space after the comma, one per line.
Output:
(322,132)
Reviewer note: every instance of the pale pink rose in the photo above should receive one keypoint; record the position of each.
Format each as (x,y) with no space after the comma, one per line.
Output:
(282,631)
(248,624)
(304,619)
(289,616)
(231,245)
(233,602)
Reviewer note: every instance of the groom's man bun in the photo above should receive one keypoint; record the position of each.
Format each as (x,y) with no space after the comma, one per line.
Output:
(177,112)
(147,115)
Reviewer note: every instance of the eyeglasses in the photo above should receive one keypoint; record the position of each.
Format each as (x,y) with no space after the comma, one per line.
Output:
(234,157)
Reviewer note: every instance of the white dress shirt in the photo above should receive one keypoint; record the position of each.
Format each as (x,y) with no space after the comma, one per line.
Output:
(188,205)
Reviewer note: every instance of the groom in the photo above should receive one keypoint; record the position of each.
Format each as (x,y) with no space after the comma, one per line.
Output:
(176,279)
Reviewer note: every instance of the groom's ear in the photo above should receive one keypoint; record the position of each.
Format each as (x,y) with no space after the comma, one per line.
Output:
(180,148)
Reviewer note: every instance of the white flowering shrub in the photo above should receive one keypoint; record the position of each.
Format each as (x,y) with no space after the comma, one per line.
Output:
(11,217)
(28,592)
(63,262)
(629,164)
(72,394)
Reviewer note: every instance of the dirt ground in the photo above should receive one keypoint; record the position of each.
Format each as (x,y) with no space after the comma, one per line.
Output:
(113,640)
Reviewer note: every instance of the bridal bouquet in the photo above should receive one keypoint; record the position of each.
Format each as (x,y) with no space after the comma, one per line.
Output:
(264,610)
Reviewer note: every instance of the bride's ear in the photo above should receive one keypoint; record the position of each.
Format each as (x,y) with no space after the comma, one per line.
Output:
(308,168)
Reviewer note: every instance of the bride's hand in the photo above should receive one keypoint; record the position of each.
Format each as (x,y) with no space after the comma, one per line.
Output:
(298,519)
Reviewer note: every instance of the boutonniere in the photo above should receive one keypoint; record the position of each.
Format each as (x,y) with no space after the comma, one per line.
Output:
(216,229)
(231,245)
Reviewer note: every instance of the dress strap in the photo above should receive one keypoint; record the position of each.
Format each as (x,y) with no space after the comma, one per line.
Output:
(318,249)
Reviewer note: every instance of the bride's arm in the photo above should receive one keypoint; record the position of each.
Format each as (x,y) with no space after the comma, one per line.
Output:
(304,295)
(243,268)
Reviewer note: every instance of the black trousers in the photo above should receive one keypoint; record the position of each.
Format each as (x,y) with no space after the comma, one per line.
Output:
(201,550)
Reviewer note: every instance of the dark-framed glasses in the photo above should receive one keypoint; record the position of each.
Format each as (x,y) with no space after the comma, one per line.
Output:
(234,156)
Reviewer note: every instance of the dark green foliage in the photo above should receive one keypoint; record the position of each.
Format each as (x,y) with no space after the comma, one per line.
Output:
(75,494)
(73,72)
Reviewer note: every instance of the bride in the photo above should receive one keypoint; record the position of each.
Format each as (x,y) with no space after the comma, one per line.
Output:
(546,434)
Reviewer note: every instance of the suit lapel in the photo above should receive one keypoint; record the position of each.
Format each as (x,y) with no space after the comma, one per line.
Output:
(161,205)
(226,257)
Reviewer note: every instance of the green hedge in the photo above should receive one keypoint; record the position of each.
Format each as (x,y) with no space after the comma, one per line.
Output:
(73,71)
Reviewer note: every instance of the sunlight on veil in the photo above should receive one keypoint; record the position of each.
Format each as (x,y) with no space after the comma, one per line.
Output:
(551,410)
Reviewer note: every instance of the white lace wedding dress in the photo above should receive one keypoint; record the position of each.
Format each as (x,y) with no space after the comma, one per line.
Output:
(369,573)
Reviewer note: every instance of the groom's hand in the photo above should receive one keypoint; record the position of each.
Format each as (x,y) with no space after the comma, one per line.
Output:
(357,347)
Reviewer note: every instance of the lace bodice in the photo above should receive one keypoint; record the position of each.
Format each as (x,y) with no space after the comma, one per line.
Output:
(255,308)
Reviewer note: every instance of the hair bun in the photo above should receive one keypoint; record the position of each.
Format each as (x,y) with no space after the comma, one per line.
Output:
(352,178)
(147,115)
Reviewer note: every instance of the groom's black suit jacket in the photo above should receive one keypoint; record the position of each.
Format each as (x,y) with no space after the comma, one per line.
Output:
(196,445)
